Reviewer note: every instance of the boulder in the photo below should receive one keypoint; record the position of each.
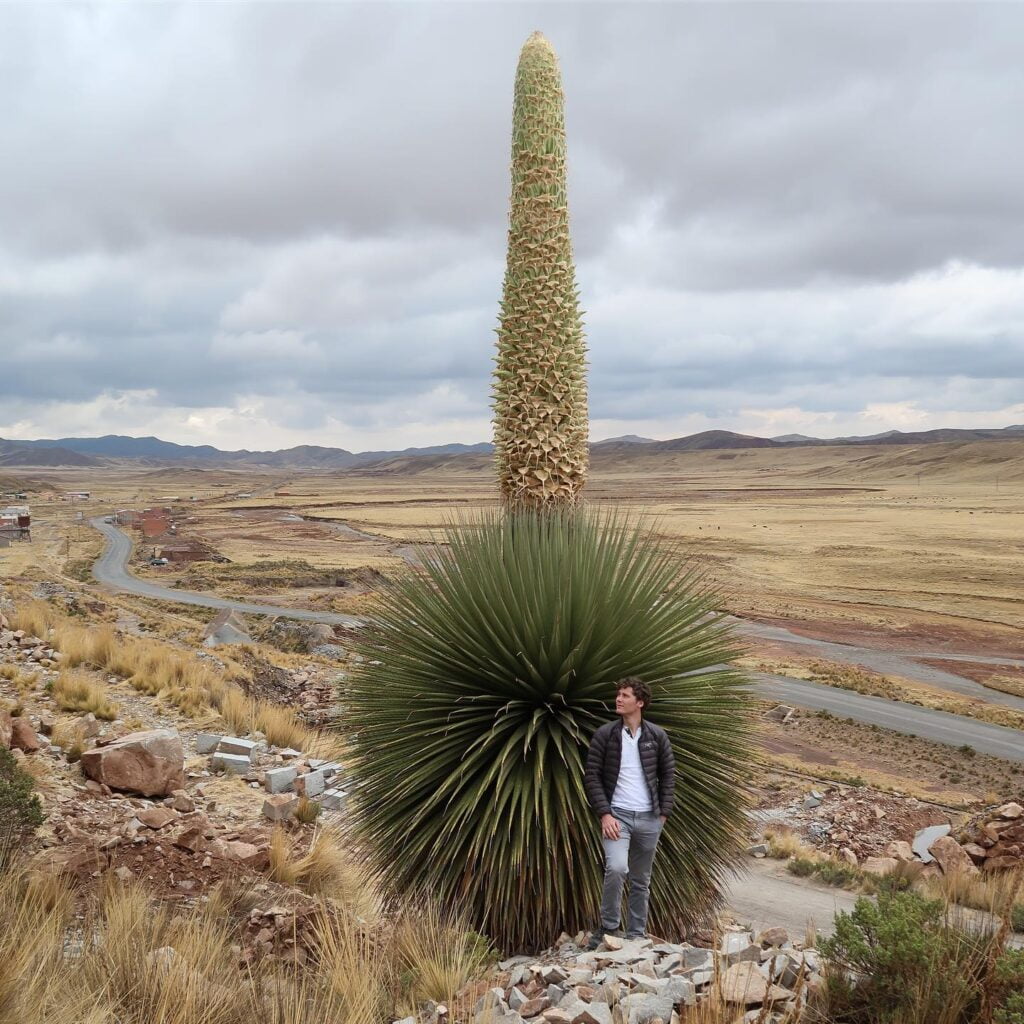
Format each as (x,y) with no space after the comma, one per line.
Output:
(975,852)
(156,817)
(1010,811)
(744,983)
(23,737)
(150,763)
(951,856)
(1001,863)
(237,851)
(773,937)
(227,627)
(900,849)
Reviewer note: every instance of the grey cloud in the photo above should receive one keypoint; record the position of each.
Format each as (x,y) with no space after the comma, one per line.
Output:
(288,200)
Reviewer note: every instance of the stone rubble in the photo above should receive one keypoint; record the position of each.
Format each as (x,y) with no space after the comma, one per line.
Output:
(639,982)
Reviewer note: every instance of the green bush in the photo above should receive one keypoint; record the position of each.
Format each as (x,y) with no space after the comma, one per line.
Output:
(802,867)
(905,959)
(1010,978)
(485,676)
(20,810)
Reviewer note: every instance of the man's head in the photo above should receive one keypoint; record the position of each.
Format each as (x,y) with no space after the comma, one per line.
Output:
(631,695)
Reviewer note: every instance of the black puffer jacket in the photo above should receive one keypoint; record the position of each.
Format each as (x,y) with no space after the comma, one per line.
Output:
(605,755)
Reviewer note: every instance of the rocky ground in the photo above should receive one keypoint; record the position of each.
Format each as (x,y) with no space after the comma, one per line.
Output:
(182,805)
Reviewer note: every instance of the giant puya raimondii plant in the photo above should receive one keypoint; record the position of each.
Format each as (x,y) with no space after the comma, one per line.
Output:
(486,672)
(540,387)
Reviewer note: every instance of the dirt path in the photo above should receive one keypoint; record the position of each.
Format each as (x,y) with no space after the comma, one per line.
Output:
(768,895)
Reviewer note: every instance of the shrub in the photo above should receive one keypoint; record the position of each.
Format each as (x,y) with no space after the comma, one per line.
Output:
(802,867)
(1009,975)
(911,959)
(484,677)
(20,811)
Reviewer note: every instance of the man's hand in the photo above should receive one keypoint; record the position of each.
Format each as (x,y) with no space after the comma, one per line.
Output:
(663,818)
(609,826)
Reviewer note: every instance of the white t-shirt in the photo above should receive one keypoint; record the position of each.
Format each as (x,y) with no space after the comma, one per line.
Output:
(631,792)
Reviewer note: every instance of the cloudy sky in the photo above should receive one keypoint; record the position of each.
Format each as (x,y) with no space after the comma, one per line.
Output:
(265,224)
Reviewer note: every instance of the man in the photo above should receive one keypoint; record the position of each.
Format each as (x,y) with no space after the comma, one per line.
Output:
(630,782)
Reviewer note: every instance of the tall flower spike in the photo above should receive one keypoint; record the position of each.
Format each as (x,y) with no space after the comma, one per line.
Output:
(540,384)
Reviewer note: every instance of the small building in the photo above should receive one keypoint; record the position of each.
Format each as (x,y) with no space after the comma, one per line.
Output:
(78,495)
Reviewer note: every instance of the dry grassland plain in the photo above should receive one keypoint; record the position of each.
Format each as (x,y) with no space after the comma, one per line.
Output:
(906,548)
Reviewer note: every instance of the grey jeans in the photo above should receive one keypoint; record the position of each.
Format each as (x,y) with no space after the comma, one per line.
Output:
(630,856)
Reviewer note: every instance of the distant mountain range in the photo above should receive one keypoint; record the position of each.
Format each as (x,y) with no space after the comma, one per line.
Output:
(151,451)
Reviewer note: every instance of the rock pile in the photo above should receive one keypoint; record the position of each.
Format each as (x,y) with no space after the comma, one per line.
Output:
(997,838)
(285,774)
(19,646)
(640,982)
(282,932)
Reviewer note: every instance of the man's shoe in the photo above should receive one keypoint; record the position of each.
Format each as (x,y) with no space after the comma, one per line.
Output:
(597,937)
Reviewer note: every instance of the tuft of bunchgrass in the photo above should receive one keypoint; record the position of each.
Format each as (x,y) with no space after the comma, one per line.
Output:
(436,952)
(76,691)
(484,678)
(326,869)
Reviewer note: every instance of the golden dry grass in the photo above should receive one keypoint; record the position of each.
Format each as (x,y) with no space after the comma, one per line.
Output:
(436,952)
(326,869)
(34,617)
(784,843)
(194,686)
(132,960)
(74,690)
(70,737)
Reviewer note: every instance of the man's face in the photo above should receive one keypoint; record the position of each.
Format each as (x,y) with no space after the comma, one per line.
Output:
(626,702)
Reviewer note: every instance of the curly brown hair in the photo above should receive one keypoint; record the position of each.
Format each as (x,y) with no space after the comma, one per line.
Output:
(640,689)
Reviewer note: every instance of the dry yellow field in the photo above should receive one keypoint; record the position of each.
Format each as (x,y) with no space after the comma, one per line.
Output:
(890,547)
(910,541)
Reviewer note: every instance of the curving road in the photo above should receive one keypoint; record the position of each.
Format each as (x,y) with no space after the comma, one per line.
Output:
(111,570)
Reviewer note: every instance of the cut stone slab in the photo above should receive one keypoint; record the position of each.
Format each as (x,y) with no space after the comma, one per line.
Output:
(925,837)
(233,764)
(280,806)
(334,799)
(278,780)
(311,784)
(206,742)
(236,745)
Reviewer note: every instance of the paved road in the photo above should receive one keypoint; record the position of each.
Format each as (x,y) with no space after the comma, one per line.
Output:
(896,663)
(910,719)
(110,569)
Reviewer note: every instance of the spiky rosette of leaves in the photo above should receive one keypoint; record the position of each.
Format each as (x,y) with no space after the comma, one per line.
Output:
(540,386)
(485,676)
